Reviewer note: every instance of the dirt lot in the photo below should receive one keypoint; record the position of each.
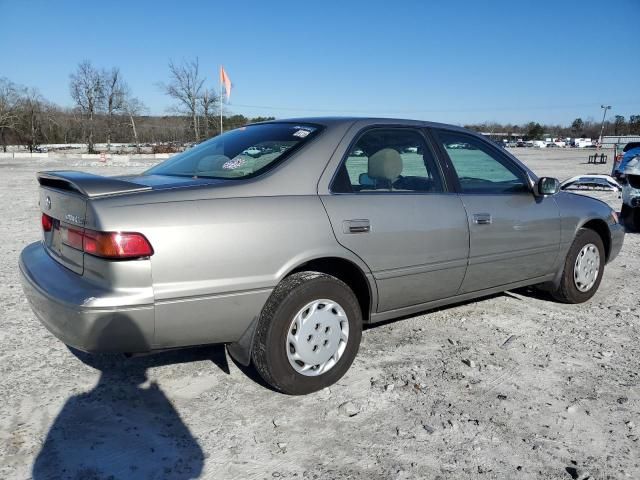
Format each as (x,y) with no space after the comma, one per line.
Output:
(512,386)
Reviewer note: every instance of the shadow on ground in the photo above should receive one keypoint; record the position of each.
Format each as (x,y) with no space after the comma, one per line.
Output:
(125,427)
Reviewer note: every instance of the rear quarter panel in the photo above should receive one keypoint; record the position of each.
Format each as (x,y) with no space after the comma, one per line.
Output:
(216,261)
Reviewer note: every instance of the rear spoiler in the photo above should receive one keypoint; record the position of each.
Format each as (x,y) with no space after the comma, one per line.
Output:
(88,184)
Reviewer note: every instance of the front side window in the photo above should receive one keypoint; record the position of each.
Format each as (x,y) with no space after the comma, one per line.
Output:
(240,153)
(479,168)
(389,160)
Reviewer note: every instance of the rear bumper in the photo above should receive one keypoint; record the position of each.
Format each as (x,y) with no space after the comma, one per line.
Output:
(97,319)
(65,304)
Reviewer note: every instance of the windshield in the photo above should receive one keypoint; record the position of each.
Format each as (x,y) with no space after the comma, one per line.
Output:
(240,153)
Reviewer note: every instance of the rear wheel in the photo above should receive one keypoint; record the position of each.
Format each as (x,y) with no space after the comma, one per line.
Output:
(308,333)
(583,268)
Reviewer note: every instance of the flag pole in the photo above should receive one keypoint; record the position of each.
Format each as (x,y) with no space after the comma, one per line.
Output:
(220,80)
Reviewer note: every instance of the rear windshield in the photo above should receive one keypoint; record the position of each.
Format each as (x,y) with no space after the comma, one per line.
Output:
(240,153)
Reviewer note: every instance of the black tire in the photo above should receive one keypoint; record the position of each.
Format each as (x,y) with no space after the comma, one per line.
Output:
(630,218)
(567,291)
(269,353)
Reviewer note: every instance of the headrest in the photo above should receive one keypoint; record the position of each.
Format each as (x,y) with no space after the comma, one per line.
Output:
(211,163)
(385,164)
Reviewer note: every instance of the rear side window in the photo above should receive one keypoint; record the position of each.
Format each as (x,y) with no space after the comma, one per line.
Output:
(388,160)
(240,153)
(479,168)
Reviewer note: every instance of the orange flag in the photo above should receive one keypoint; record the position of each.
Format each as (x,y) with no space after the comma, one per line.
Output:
(225,81)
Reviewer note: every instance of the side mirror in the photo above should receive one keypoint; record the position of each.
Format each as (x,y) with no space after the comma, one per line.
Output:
(547,186)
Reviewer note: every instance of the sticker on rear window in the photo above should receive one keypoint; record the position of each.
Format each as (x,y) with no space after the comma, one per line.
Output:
(233,164)
(301,133)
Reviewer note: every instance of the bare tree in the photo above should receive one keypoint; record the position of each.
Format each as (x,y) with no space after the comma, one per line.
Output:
(634,124)
(9,105)
(115,93)
(185,86)
(134,107)
(208,102)
(87,90)
(619,125)
(31,118)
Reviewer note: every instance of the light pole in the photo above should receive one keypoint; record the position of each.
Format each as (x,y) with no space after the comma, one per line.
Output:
(605,108)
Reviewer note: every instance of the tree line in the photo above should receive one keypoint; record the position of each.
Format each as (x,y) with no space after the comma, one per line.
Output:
(106,111)
(579,128)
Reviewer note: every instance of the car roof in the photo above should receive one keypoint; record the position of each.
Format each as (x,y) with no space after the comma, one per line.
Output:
(337,121)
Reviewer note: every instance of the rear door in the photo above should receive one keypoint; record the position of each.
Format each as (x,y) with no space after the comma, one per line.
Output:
(390,205)
(515,235)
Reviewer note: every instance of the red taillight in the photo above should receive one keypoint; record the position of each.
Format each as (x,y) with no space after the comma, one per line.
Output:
(112,245)
(72,236)
(117,245)
(47,222)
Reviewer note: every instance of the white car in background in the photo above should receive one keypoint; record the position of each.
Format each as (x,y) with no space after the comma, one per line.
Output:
(252,152)
(583,142)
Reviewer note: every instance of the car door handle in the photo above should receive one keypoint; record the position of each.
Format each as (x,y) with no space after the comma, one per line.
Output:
(482,218)
(361,225)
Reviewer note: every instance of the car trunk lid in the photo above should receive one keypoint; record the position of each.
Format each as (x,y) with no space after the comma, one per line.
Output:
(63,198)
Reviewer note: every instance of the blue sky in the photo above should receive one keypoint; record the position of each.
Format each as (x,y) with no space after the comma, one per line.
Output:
(451,61)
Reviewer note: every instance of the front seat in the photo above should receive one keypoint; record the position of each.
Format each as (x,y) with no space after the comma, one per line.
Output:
(385,166)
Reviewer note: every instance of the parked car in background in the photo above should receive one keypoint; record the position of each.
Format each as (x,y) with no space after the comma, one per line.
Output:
(627,170)
(591,182)
(582,143)
(252,152)
(285,257)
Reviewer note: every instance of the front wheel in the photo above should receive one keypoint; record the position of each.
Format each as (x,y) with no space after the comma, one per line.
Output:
(583,268)
(308,333)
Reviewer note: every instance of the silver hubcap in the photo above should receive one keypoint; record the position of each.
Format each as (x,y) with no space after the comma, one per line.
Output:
(317,337)
(586,268)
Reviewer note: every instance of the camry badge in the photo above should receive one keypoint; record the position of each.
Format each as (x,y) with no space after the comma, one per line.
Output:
(74,219)
(48,202)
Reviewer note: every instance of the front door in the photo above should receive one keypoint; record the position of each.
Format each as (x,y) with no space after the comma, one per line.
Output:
(514,235)
(389,205)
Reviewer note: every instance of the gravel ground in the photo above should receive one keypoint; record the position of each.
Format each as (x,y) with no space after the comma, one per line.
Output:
(512,386)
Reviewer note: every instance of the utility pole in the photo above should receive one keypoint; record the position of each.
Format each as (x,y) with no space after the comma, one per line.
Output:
(604,115)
